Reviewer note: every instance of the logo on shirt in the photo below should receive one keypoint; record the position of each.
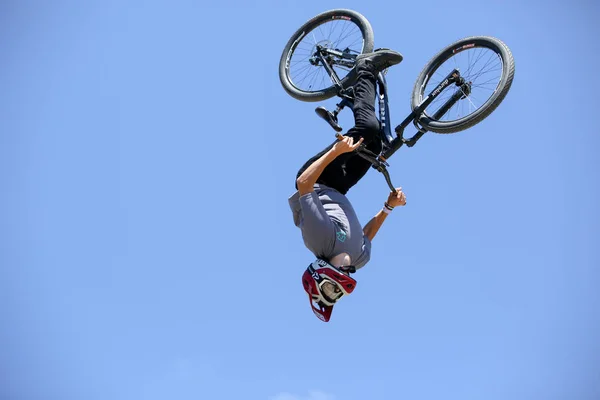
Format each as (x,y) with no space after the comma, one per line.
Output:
(341,236)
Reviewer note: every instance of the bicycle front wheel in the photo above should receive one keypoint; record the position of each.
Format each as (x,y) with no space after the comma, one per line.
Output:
(342,31)
(486,63)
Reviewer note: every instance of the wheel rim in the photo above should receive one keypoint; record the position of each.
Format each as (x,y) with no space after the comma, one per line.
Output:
(338,33)
(482,66)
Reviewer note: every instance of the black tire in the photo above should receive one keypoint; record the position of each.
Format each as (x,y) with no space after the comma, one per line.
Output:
(322,93)
(475,43)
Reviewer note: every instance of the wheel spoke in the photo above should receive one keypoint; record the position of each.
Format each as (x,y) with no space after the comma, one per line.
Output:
(469,98)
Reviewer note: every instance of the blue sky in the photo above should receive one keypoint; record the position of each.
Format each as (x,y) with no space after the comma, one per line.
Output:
(147,251)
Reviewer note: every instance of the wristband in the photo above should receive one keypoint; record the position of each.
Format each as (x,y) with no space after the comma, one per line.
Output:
(387,208)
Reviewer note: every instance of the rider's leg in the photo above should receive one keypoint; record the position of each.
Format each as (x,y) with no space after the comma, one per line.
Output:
(345,171)
(348,168)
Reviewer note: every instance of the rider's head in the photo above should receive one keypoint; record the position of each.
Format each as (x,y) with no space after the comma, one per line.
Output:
(325,285)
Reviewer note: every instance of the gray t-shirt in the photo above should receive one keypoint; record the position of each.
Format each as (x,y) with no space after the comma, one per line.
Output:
(329,225)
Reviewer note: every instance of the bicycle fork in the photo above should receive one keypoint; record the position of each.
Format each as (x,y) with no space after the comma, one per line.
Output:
(414,117)
(379,162)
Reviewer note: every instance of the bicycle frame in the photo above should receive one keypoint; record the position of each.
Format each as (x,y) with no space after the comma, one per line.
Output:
(391,143)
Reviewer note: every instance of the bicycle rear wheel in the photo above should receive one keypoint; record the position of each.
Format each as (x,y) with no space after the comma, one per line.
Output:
(345,31)
(486,63)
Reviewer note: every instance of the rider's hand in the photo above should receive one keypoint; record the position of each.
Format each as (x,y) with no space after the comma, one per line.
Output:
(346,145)
(397,198)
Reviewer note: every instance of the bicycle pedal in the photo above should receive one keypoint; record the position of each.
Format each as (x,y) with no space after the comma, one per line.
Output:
(329,117)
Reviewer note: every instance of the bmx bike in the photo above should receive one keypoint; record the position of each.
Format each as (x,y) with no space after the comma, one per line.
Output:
(458,88)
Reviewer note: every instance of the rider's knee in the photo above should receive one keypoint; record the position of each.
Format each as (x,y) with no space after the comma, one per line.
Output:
(369,127)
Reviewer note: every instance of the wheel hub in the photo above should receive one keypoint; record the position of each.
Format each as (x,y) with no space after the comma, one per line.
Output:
(319,47)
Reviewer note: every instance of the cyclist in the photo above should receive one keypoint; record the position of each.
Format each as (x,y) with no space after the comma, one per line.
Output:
(330,227)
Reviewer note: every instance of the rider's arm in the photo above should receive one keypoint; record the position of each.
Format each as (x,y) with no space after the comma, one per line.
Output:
(372,227)
(395,199)
(308,178)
